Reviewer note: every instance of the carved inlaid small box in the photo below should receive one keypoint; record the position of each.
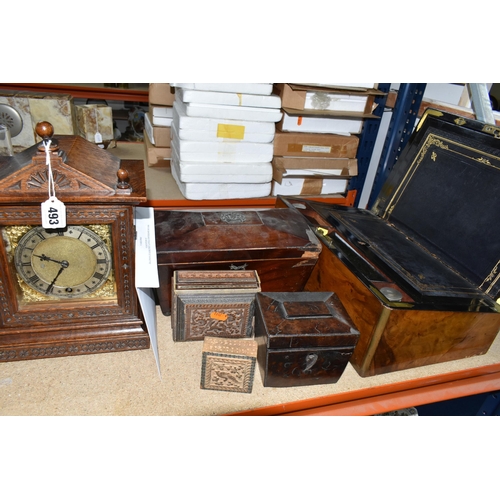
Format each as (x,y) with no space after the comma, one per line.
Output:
(228,364)
(213,303)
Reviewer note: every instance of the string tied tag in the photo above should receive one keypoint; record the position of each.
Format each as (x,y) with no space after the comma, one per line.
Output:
(53,210)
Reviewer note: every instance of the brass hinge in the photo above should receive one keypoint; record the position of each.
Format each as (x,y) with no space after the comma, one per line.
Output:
(493,130)
(324,233)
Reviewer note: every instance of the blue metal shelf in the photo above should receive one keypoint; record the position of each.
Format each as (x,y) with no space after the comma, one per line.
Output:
(403,119)
(367,140)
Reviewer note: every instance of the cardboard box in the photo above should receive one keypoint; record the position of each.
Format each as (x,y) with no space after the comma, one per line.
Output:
(161,94)
(326,101)
(311,176)
(155,156)
(158,136)
(284,166)
(92,119)
(315,145)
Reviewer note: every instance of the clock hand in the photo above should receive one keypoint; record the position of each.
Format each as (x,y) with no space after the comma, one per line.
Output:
(64,263)
(51,286)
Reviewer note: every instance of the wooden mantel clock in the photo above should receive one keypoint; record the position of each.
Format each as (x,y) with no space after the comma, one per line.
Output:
(69,290)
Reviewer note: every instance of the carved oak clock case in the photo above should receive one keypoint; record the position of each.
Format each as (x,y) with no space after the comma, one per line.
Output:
(69,290)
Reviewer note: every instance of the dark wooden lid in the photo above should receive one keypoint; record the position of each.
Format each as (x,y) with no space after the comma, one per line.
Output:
(304,319)
(191,237)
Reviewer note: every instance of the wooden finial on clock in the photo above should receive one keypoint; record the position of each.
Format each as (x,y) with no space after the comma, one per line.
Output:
(123,185)
(45,130)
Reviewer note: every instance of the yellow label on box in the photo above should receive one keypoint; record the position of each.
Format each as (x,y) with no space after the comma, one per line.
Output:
(218,315)
(227,131)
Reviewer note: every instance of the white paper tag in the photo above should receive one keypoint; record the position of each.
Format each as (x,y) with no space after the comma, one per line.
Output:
(97,138)
(53,213)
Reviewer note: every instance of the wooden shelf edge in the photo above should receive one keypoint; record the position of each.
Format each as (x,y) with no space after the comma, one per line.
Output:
(389,397)
(171,204)
(105,93)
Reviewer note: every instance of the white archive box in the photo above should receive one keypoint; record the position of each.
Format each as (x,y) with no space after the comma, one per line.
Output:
(222,152)
(335,102)
(233,112)
(219,191)
(162,115)
(192,128)
(292,166)
(229,98)
(244,88)
(320,124)
(211,172)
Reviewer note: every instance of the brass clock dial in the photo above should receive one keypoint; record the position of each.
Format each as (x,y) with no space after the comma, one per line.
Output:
(69,263)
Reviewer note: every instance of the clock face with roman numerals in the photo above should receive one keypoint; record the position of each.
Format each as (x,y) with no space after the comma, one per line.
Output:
(72,262)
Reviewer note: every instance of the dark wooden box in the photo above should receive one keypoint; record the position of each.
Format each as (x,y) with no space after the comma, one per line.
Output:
(213,303)
(277,243)
(304,338)
(419,273)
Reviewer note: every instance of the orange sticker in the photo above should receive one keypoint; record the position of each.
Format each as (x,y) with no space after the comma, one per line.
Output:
(299,120)
(218,315)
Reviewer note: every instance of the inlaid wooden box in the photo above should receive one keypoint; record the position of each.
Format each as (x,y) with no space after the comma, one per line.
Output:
(213,303)
(304,338)
(228,364)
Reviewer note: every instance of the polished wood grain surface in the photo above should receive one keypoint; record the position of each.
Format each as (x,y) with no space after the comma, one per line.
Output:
(397,338)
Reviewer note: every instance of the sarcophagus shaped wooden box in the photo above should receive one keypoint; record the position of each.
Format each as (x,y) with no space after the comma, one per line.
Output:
(304,338)
(213,303)
(277,243)
(419,272)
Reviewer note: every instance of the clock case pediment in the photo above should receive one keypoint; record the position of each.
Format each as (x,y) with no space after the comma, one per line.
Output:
(80,170)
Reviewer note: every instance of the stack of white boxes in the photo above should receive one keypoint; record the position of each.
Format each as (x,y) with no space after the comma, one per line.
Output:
(222,139)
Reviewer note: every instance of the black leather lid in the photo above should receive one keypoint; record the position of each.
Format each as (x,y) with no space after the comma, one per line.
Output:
(444,193)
